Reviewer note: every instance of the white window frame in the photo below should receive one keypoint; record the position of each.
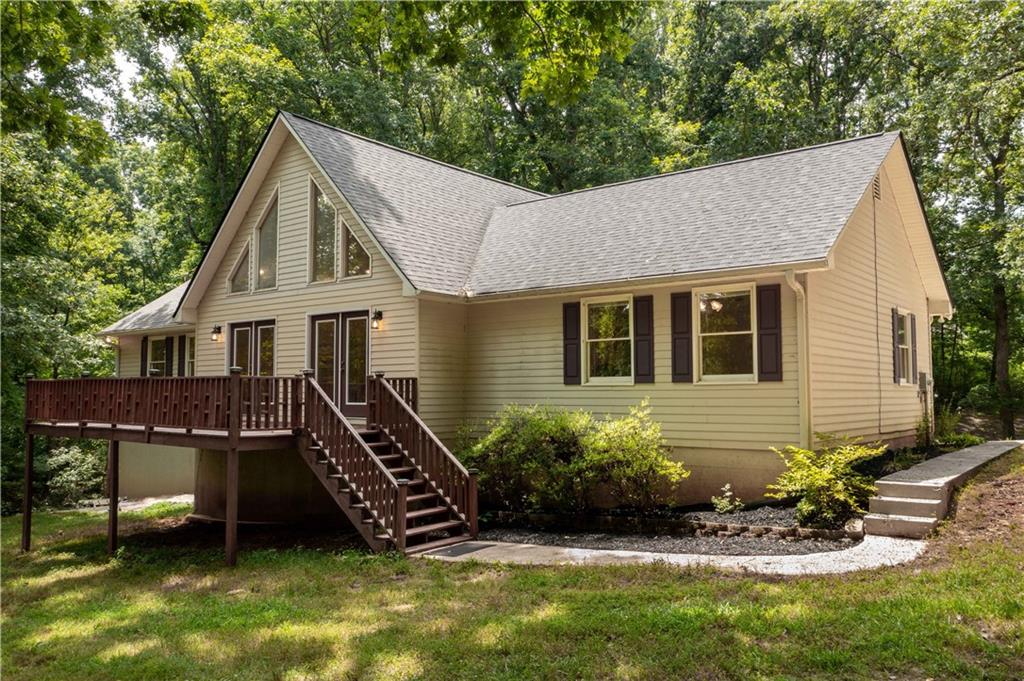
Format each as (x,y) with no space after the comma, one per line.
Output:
(906,362)
(698,345)
(234,270)
(254,268)
(311,280)
(190,355)
(585,304)
(342,262)
(149,355)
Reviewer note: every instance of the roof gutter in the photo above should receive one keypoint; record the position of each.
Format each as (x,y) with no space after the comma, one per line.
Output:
(708,276)
(803,358)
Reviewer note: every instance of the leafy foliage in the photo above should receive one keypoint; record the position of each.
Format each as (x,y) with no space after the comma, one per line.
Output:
(727,502)
(540,457)
(828,489)
(77,471)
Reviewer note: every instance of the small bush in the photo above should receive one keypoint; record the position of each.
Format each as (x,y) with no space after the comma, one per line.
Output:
(728,502)
(544,458)
(961,440)
(946,420)
(77,472)
(828,488)
(629,455)
(526,458)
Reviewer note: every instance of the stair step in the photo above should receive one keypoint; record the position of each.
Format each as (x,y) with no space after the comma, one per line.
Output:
(436,527)
(390,457)
(335,476)
(378,445)
(423,512)
(437,543)
(421,497)
(913,490)
(898,525)
(314,448)
(909,506)
(401,470)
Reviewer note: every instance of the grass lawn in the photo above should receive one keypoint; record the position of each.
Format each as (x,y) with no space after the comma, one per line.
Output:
(166,608)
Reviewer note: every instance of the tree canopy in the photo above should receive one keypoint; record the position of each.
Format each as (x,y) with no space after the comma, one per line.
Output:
(127,127)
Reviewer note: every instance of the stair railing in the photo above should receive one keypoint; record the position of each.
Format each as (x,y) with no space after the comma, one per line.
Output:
(391,413)
(383,494)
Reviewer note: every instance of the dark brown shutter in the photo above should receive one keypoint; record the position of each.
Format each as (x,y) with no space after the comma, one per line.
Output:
(682,338)
(571,374)
(769,332)
(643,339)
(181,355)
(895,345)
(169,355)
(144,368)
(912,320)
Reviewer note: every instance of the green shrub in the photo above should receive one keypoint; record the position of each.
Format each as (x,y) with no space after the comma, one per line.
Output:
(728,502)
(630,456)
(829,490)
(946,420)
(526,458)
(961,440)
(77,472)
(544,458)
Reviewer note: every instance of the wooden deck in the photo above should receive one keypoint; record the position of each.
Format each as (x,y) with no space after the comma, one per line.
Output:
(198,438)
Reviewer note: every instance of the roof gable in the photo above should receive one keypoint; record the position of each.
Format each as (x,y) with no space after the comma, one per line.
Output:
(157,314)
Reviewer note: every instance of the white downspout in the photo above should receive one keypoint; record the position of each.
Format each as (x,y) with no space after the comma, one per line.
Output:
(803,359)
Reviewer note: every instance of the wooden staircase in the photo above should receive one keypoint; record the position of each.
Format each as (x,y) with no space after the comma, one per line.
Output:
(398,493)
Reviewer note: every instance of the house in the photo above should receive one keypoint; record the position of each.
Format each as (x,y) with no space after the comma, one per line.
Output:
(756,302)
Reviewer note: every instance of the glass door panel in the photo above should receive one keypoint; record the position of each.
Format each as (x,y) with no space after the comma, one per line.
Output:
(356,355)
(325,354)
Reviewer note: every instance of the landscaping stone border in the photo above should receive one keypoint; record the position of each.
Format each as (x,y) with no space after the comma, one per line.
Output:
(670,526)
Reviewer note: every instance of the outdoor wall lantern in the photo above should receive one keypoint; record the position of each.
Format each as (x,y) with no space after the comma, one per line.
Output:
(216,336)
(375,319)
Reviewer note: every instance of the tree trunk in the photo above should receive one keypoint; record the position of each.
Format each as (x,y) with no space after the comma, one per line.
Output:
(1002,358)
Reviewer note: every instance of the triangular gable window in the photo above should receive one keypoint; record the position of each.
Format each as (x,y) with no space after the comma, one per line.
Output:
(357,260)
(239,281)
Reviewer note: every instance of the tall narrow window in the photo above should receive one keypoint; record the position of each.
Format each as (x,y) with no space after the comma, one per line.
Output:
(157,357)
(323,240)
(903,346)
(725,333)
(266,273)
(608,340)
(240,275)
(190,356)
(357,260)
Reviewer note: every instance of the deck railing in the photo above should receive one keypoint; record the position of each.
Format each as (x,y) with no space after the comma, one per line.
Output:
(192,402)
(393,414)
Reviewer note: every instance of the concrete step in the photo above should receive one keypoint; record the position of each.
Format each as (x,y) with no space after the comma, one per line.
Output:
(899,525)
(918,508)
(911,490)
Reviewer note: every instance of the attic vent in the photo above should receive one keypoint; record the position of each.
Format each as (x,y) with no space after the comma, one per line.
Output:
(876,188)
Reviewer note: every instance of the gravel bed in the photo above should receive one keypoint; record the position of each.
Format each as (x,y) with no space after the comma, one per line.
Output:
(719,546)
(775,516)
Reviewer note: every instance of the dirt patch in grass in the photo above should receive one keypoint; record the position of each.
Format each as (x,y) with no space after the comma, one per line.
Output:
(990,508)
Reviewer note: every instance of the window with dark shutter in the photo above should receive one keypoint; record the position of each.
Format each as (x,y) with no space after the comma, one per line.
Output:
(682,338)
(769,332)
(896,370)
(571,374)
(643,339)
(144,362)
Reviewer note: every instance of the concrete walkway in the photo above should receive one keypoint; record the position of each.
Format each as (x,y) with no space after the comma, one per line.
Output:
(873,552)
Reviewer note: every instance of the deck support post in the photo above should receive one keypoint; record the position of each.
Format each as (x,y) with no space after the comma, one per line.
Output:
(400,514)
(113,457)
(26,502)
(231,486)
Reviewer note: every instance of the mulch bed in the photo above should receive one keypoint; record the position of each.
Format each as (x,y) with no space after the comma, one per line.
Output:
(713,545)
(775,516)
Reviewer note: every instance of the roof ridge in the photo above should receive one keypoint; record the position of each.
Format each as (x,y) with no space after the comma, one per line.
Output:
(707,167)
(414,154)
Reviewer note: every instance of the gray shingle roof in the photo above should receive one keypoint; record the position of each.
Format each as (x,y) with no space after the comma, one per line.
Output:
(429,216)
(157,314)
(780,208)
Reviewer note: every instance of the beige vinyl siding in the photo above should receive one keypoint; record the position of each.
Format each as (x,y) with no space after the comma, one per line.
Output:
(129,362)
(851,341)
(515,355)
(442,366)
(392,347)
